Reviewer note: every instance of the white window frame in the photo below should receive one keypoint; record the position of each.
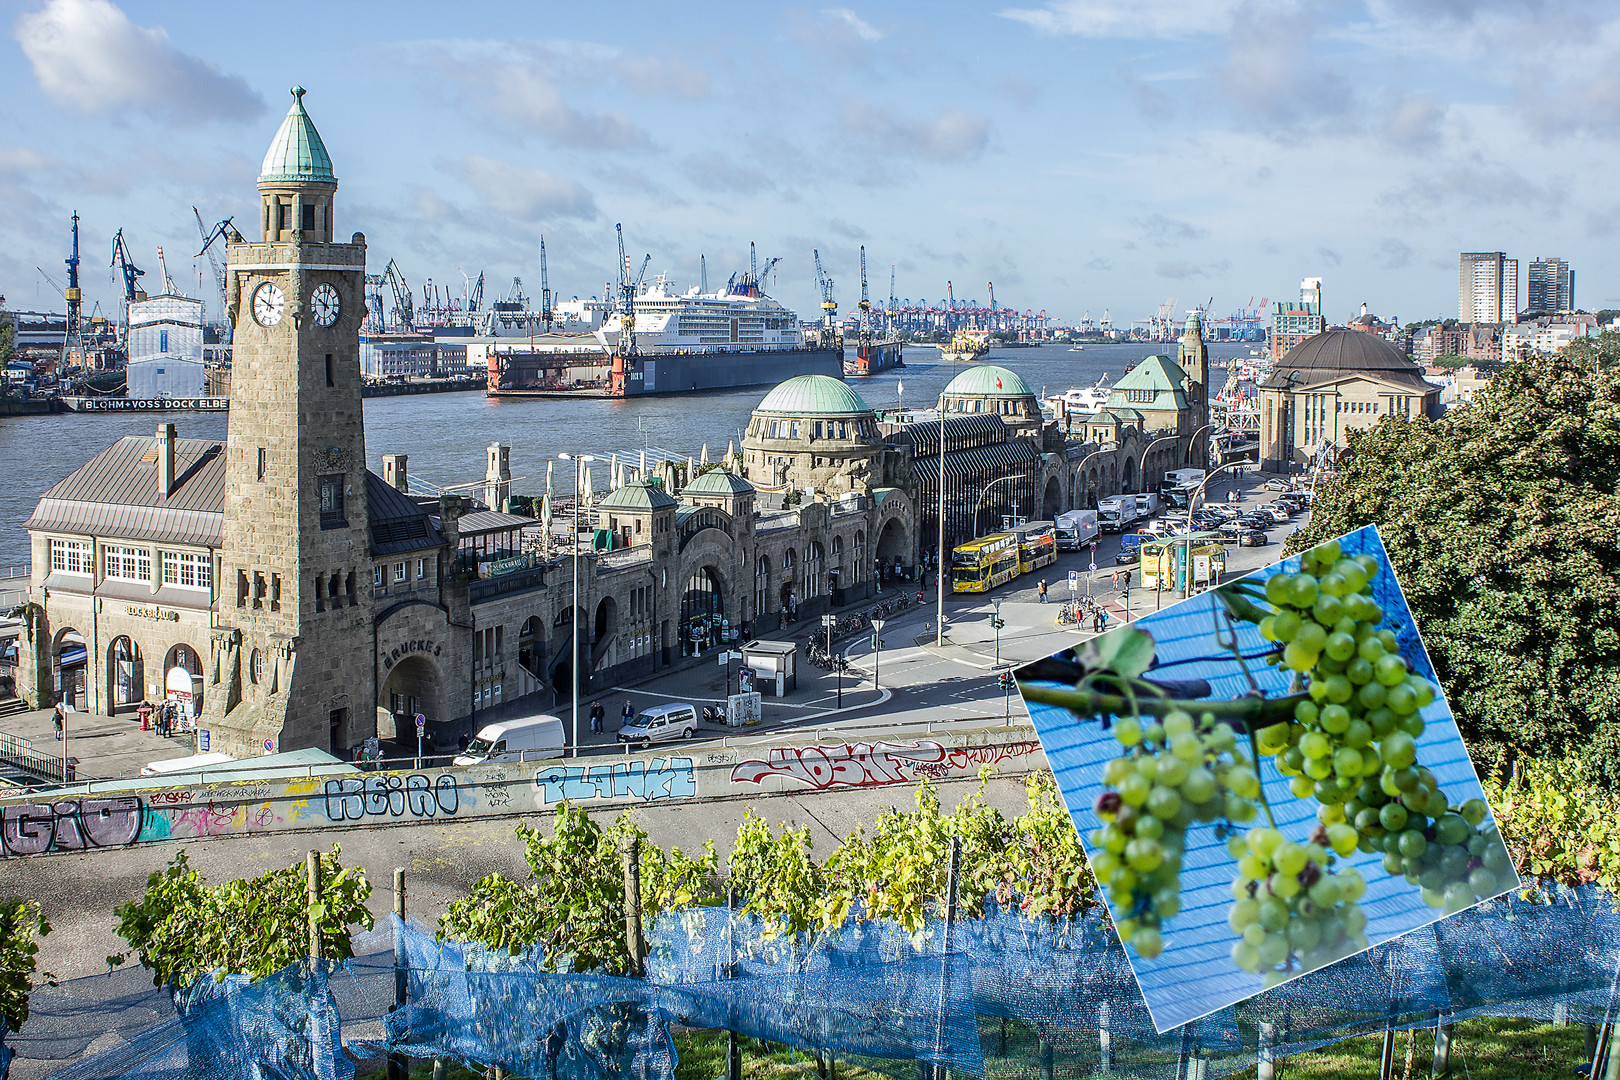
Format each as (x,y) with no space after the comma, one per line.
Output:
(421,569)
(377,576)
(121,562)
(72,556)
(180,565)
(400,575)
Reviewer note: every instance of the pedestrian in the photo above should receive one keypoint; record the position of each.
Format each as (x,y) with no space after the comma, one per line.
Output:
(1127,581)
(598,714)
(1096,621)
(58,717)
(628,715)
(461,743)
(1103,615)
(1041,591)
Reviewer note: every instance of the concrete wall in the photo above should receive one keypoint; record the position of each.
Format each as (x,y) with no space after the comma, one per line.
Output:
(121,818)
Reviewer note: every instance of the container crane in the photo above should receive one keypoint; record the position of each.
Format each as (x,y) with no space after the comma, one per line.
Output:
(131,273)
(950,307)
(545,288)
(995,319)
(404,309)
(865,305)
(888,312)
(219,231)
(628,290)
(477,298)
(374,304)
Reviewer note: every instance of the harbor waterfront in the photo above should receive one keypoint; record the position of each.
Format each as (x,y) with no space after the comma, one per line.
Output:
(446,434)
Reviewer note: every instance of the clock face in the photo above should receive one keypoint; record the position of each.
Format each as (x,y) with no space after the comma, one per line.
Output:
(269,303)
(326,304)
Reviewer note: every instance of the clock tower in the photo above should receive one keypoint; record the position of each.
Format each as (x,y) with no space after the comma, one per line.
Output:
(1193,359)
(291,659)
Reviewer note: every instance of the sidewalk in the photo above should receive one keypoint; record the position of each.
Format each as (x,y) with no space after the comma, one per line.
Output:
(107,748)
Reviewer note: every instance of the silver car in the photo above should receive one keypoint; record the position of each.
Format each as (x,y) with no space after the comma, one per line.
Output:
(661,723)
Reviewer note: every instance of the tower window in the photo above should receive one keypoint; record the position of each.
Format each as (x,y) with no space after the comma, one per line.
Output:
(329,381)
(331,491)
(308,217)
(261,463)
(283,216)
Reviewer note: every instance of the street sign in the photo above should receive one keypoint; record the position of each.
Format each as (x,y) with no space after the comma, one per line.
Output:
(202,740)
(826,620)
(269,746)
(1074,579)
(421,721)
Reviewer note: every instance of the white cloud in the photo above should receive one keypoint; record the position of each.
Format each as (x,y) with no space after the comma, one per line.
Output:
(1164,231)
(527,194)
(653,76)
(857,25)
(88,54)
(953,135)
(1275,71)
(528,97)
(1126,18)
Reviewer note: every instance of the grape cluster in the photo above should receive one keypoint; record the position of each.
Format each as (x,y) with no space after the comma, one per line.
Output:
(1169,774)
(1293,910)
(1352,745)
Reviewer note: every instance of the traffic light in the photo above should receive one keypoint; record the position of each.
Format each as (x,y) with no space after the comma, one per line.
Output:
(997,622)
(1005,680)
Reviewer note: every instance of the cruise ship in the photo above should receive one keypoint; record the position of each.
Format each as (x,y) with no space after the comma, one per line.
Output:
(679,342)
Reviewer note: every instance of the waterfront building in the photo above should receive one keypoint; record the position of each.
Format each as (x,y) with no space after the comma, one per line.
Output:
(1292,323)
(1330,384)
(1550,286)
(165,346)
(290,598)
(1487,287)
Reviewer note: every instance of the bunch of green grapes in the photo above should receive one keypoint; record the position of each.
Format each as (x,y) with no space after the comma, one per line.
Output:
(1353,745)
(1293,910)
(1168,775)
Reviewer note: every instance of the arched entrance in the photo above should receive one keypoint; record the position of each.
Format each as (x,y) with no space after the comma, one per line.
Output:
(70,659)
(702,612)
(603,653)
(126,677)
(531,647)
(182,679)
(893,548)
(1052,501)
(787,594)
(1127,479)
(412,687)
(762,586)
(562,664)
(836,577)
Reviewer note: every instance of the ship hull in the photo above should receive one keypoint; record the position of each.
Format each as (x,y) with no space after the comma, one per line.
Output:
(870,359)
(685,373)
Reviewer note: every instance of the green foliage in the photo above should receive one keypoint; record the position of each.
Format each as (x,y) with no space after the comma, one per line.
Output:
(1050,874)
(8,335)
(1599,354)
(182,928)
(1503,524)
(1558,827)
(574,911)
(779,881)
(20,923)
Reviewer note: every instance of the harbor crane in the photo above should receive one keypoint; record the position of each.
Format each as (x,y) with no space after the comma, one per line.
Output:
(126,266)
(703,275)
(628,290)
(374,304)
(865,305)
(888,312)
(477,297)
(950,307)
(995,318)
(829,306)
(220,231)
(404,308)
(545,288)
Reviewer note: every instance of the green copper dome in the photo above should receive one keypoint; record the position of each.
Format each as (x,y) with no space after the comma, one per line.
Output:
(813,395)
(718,482)
(297,154)
(988,380)
(641,495)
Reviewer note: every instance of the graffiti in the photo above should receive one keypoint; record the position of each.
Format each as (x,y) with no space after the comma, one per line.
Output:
(660,778)
(69,825)
(872,764)
(392,795)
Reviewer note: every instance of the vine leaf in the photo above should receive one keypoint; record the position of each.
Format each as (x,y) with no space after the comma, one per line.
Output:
(1127,651)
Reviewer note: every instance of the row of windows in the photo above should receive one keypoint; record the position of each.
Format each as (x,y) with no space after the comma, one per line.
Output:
(126,562)
(400,573)
(818,429)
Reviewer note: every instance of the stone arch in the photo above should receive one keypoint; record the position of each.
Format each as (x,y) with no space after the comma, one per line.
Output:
(858,556)
(70,664)
(815,569)
(1128,475)
(126,675)
(561,672)
(702,608)
(786,592)
(605,628)
(762,586)
(184,658)
(1052,501)
(893,543)
(411,686)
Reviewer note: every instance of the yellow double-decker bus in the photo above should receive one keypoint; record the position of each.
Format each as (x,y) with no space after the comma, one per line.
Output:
(982,564)
(1203,554)
(1037,545)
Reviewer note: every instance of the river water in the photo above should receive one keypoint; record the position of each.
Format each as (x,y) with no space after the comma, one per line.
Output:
(446,434)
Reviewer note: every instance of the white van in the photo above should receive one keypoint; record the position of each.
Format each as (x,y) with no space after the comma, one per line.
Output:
(675,720)
(528,738)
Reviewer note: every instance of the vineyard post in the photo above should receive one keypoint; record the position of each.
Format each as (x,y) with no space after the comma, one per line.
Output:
(952,874)
(1184,1066)
(1267,1067)
(1046,1060)
(1386,1054)
(733,1049)
(630,849)
(312,874)
(1442,1047)
(399,1066)
(1105,1038)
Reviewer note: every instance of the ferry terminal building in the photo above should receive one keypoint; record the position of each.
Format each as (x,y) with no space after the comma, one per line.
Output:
(290,597)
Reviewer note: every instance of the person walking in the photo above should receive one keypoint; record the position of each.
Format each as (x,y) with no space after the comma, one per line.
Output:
(598,714)
(1096,621)
(59,719)
(627,715)
(1041,592)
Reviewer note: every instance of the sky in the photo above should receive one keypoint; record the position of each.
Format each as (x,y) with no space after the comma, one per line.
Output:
(1082,155)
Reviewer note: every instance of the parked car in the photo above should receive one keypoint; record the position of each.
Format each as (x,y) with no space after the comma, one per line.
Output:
(1256,521)
(530,738)
(1278,485)
(1286,508)
(1253,538)
(661,723)
(1125,557)
(1277,514)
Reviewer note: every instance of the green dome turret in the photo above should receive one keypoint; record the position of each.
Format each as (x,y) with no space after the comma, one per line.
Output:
(988,380)
(813,395)
(296,154)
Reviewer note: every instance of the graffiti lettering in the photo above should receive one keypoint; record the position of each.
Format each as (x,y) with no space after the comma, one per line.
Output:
(391,796)
(69,825)
(660,778)
(871,764)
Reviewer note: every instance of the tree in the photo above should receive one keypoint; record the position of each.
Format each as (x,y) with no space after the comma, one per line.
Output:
(1503,525)
(183,929)
(1599,353)
(20,923)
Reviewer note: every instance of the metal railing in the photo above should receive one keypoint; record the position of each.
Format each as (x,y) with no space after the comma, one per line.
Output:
(19,752)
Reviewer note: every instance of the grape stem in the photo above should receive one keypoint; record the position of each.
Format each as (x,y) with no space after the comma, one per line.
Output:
(1254,712)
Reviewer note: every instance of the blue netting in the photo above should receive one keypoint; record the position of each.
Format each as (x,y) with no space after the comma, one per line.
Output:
(866,993)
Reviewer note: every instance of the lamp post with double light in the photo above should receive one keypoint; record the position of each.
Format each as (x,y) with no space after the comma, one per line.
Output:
(573,615)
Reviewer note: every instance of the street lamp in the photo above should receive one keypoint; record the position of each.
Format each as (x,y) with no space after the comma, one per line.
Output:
(573,616)
(996,623)
(1192,502)
(944,563)
(980,501)
(838,671)
(1142,464)
(877,648)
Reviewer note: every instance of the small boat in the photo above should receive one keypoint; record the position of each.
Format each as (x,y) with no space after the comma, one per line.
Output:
(1079,400)
(1077,348)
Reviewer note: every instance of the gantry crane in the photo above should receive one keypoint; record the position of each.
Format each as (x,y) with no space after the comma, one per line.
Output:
(829,306)
(888,312)
(628,290)
(865,324)
(404,308)
(131,273)
(545,288)
(220,230)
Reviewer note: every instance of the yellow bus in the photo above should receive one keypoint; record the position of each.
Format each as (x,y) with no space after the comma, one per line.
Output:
(1037,545)
(984,563)
(1204,552)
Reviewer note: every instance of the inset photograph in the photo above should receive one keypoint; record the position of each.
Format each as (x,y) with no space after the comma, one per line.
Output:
(1266,778)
